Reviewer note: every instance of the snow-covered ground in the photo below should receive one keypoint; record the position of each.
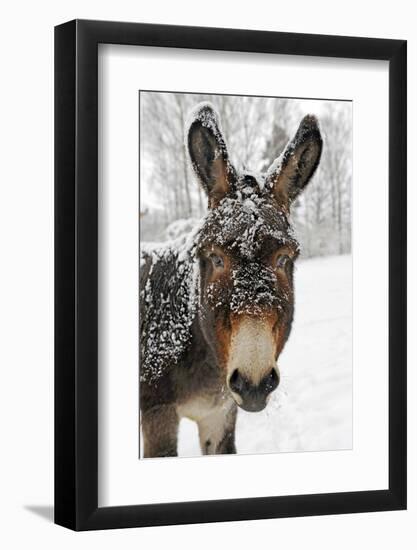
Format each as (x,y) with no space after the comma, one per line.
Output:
(312,408)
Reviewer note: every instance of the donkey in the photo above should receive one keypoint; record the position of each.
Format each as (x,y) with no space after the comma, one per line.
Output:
(216,307)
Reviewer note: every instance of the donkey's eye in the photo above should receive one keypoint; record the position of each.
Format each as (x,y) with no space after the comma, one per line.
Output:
(282,261)
(217,261)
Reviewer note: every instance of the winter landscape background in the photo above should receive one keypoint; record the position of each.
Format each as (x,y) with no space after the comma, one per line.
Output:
(312,408)
(256,131)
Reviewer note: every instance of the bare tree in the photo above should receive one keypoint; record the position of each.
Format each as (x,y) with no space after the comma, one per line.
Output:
(256,130)
(326,214)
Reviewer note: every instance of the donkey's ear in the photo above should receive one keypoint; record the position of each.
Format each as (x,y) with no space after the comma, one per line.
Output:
(292,171)
(208,153)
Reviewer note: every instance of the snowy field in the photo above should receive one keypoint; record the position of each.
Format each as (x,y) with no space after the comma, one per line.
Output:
(312,408)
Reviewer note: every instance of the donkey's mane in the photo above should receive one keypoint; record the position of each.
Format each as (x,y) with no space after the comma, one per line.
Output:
(167,306)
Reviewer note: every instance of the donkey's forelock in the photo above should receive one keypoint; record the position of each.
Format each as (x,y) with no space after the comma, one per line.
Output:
(244,222)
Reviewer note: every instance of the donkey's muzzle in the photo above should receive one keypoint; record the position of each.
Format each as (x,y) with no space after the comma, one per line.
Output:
(250,397)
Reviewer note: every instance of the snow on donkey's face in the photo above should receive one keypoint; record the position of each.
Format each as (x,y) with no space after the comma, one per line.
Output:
(246,250)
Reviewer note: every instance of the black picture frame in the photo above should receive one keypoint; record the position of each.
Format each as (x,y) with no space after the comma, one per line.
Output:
(76,272)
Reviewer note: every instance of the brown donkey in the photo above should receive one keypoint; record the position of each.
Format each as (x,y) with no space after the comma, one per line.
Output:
(216,308)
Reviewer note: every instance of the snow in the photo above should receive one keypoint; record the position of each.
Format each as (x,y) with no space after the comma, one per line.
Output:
(242,222)
(312,408)
(206,114)
(180,228)
(166,325)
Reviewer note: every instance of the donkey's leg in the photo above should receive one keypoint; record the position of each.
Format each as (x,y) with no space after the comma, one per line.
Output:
(160,431)
(217,431)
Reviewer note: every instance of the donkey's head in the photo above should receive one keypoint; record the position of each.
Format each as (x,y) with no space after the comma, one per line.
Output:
(246,250)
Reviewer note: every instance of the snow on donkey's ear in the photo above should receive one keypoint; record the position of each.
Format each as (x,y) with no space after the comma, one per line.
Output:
(292,171)
(208,153)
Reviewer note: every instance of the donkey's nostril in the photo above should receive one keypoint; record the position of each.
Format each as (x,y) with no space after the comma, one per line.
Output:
(271,381)
(236,382)
(249,396)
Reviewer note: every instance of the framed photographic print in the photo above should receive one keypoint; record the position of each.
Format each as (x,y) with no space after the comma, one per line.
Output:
(230,251)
